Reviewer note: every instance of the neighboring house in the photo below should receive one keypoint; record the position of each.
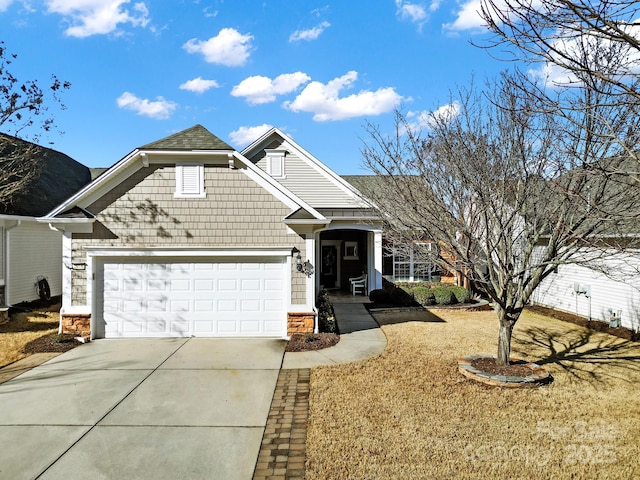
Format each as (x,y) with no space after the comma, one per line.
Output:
(186,236)
(30,251)
(594,295)
(573,288)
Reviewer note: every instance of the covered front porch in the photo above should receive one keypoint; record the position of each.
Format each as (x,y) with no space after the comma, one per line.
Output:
(344,252)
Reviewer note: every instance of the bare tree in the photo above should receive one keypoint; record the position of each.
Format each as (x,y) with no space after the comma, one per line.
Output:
(584,45)
(503,191)
(24,118)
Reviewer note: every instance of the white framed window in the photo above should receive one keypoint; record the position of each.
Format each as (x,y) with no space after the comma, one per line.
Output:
(275,163)
(351,251)
(415,263)
(190,181)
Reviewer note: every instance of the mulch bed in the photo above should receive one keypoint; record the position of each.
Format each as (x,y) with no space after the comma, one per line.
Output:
(305,342)
(596,325)
(52,343)
(489,365)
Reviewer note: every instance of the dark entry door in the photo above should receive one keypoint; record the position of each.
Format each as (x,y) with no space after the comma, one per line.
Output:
(329,266)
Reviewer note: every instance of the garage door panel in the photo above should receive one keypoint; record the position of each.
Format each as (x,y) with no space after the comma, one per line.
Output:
(250,285)
(223,298)
(227,285)
(156,285)
(203,306)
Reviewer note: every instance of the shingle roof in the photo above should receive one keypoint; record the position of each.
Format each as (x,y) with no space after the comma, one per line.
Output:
(59,178)
(194,138)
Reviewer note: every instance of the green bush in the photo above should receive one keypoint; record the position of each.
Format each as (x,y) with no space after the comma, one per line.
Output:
(462,294)
(424,296)
(444,296)
(326,318)
(380,296)
(402,297)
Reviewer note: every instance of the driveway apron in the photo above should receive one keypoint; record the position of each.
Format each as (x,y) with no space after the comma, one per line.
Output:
(141,408)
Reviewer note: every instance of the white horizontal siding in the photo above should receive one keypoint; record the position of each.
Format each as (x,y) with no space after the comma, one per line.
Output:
(33,250)
(557,291)
(312,186)
(2,256)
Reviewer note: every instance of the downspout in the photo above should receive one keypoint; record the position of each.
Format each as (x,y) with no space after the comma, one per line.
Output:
(6,262)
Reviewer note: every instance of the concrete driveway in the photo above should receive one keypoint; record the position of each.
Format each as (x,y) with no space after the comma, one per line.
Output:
(144,408)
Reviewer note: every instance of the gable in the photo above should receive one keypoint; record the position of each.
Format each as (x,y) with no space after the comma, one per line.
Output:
(144,210)
(306,176)
(194,146)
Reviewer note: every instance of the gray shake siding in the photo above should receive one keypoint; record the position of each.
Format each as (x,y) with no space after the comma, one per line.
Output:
(142,212)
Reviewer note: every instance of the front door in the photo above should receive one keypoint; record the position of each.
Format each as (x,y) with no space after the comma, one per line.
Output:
(329,269)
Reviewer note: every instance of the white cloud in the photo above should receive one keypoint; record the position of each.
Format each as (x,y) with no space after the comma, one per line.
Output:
(160,109)
(468,17)
(199,85)
(326,104)
(412,11)
(98,17)
(258,89)
(434,5)
(229,48)
(209,12)
(5,4)
(310,34)
(243,136)
(615,59)
(427,119)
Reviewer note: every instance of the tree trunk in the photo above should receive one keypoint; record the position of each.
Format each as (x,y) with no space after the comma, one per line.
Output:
(504,341)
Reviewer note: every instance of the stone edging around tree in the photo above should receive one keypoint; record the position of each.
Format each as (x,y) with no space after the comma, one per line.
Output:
(538,376)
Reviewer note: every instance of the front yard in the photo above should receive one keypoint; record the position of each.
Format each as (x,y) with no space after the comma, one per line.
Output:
(409,414)
(23,329)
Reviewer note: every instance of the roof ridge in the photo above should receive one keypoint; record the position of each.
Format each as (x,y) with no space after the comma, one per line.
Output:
(192,138)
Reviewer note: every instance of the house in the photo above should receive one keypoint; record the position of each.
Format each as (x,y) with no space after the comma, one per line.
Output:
(186,236)
(407,262)
(30,251)
(612,297)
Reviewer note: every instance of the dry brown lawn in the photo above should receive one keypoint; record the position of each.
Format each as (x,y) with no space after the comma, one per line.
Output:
(24,328)
(409,414)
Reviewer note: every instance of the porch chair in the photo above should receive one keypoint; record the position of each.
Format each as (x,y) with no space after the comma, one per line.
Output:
(358,284)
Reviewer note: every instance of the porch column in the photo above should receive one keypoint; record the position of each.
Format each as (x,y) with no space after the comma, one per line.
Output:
(310,250)
(375,260)
(66,270)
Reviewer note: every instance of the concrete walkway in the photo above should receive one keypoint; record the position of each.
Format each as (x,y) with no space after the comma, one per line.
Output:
(360,337)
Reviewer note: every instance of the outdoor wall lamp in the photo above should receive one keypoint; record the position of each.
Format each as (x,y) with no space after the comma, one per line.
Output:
(305,267)
(76,266)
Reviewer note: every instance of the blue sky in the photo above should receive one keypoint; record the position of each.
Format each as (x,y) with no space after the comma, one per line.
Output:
(318,70)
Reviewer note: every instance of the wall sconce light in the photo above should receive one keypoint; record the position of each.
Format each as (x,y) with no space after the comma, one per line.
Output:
(305,267)
(76,266)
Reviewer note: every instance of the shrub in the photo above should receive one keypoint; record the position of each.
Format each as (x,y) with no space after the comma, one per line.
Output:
(444,296)
(424,296)
(462,294)
(380,296)
(402,298)
(326,318)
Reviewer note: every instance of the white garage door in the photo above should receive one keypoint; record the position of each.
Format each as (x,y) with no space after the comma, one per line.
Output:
(216,299)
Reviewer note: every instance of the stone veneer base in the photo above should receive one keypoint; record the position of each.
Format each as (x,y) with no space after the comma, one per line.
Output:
(77,324)
(300,322)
